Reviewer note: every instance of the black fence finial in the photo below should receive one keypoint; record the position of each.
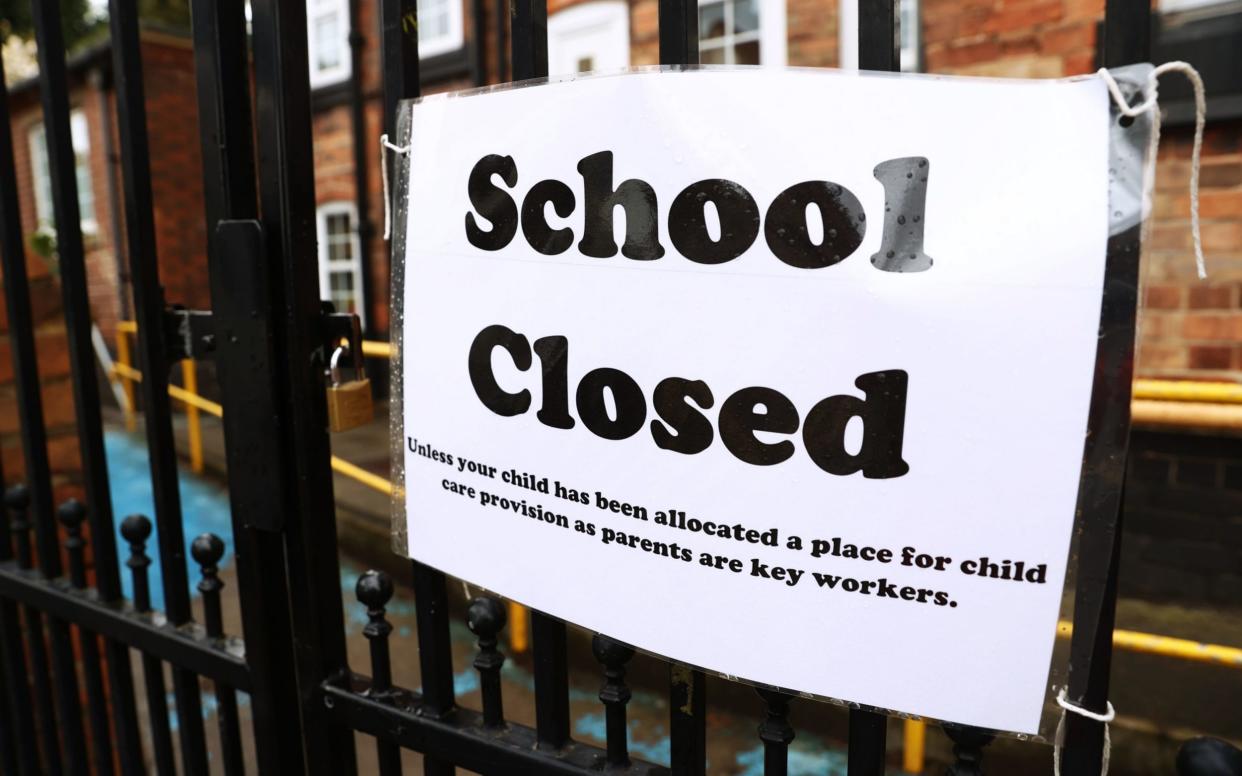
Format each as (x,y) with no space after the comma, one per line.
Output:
(486,618)
(72,514)
(615,694)
(207,550)
(136,529)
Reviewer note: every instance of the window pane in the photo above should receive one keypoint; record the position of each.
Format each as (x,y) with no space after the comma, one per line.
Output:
(746,53)
(433,20)
(340,250)
(745,15)
(42,176)
(328,41)
(338,224)
(711,21)
(42,173)
(712,56)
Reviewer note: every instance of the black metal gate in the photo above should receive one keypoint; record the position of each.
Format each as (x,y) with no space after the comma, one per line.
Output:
(268,333)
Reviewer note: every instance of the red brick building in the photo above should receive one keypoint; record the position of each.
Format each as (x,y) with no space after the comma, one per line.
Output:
(1189,328)
(168,65)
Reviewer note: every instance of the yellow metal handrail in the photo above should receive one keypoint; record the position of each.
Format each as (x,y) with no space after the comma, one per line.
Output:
(1182,403)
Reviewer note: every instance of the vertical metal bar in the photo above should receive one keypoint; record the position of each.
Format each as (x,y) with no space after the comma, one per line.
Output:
(435,652)
(878,47)
(8,750)
(551,680)
(17,500)
(687,721)
(374,589)
(153,360)
(479,49)
(245,360)
(502,45)
(530,39)
(12,652)
(486,617)
(615,695)
(72,514)
(364,153)
(55,97)
(679,32)
(530,60)
(1127,33)
(776,733)
(868,743)
(399,53)
(207,551)
(137,529)
(54,94)
(1127,40)
(286,172)
(400,66)
(30,405)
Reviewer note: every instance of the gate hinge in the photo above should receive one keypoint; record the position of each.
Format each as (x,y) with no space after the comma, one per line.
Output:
(188,333)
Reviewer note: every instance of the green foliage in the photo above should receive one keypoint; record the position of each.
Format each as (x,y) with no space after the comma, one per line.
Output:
(83,26)
(80,23)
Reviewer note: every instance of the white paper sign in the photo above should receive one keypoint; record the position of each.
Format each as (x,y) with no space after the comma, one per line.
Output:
(809,411)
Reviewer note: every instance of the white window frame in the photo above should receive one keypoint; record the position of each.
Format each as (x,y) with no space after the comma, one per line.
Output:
(773,37)
(41,173)
(450,41)
(353,265)
(316,10)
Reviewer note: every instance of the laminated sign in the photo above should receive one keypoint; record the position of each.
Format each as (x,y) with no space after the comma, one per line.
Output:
(783,374)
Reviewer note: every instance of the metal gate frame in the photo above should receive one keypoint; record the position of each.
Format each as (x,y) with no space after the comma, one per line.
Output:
(268,333)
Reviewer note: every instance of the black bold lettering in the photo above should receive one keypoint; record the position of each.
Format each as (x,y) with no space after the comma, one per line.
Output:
(542,237)
(553,355)
(740,418)
(786,231)
(690,432)
(483,379)
(883,415)
(642,239)
(492,203)
(626,396)
(735,209)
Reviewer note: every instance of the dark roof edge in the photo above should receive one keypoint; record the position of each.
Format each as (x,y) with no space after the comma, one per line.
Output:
(97,54)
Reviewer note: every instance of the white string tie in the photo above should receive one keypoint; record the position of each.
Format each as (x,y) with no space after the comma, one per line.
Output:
(385,147)
(1059,741)
(1149,105)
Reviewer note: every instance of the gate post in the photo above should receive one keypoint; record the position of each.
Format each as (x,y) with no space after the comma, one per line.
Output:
(287,186)
(1126,40)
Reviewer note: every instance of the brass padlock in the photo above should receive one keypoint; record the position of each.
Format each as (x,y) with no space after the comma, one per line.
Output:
(349,402)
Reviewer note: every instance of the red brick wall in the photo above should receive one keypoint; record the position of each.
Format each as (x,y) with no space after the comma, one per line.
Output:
(176,180)
(1192,328)
(52,352)
(176,170)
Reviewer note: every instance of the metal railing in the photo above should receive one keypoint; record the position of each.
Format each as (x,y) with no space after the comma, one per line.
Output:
(1183,403)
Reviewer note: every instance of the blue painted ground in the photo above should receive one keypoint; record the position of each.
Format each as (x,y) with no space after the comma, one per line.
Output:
(205,509)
